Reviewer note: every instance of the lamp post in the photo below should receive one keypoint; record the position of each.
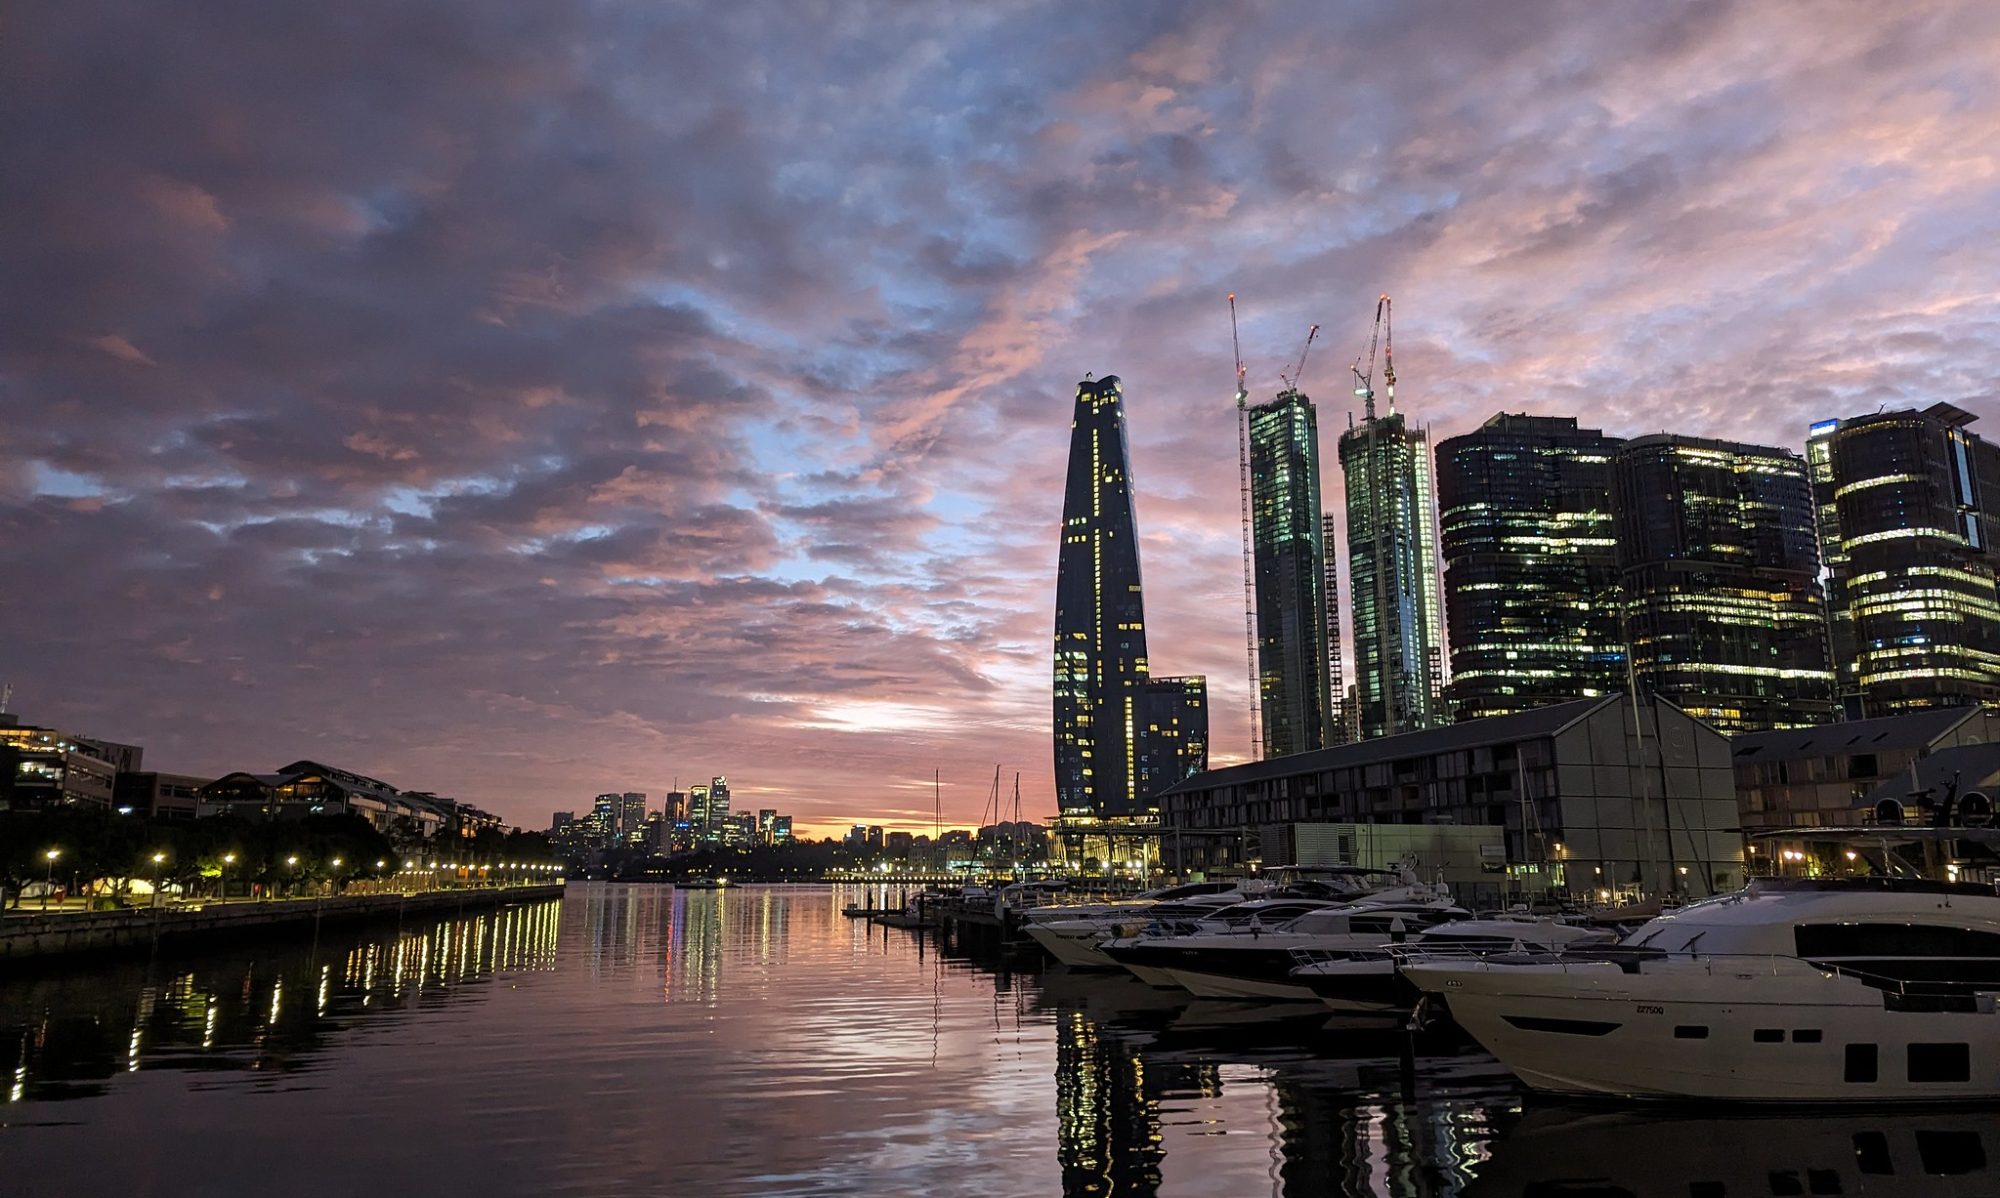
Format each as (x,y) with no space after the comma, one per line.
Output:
(158,860)
(222,876)
(289,863)
(49,882)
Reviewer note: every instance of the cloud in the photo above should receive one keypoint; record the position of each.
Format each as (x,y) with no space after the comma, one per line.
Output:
(527,403)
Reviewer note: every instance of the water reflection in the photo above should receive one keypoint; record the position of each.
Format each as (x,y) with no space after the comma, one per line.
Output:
(264,1009)
(644,1040)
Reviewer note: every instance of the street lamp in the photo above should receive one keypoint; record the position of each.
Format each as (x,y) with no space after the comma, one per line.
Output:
(222,875)
(158,858)
(49,883)
(289,863)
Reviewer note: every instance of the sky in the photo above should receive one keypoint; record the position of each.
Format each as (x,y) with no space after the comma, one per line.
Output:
(525,401)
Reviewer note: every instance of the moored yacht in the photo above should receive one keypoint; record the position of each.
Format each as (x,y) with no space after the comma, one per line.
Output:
(1368,982)
(1254,958)
(1869,990)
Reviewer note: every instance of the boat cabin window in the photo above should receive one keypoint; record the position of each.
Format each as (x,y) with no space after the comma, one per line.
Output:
(1950,1153)
(1893,940)
(1806,1035)
(1860,1063)
(1768,1035)
(1691,1031)
(1940,1063)
(1871,1153)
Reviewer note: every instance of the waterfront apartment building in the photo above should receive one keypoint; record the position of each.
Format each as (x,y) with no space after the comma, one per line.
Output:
(1719,565)
(1530,565)
(1908,514)
(1392,575)
(1823,776)
(1294,690)
(1105,711)
(44,767)
(1589,798)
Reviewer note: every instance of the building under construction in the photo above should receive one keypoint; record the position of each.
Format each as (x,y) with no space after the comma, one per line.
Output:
(1293,585)
(1391,558)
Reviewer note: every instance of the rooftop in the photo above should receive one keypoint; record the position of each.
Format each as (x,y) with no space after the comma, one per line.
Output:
(1911,730)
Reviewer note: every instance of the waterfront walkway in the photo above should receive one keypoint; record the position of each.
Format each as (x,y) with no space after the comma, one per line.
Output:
(30,933)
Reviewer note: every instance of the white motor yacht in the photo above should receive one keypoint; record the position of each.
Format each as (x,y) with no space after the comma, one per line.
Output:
(1253,958)
(1075,939)
(1249,917)
(1867,991)
(1367,982)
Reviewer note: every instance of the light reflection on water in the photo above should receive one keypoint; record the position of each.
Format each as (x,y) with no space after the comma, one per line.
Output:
(640,1040)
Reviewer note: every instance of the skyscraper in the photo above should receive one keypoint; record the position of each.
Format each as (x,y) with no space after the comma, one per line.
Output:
(631,816)
(1530,565)
(1720,568)
(1909,513)
(1392,573)
(1173,741)
(1104,710)
(1340,728)
(1290,559)
(718,810)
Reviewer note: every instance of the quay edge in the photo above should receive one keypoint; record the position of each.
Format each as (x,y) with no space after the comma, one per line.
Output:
(39,937)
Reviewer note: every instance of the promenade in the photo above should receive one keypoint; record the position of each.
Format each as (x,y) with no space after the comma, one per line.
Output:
(30,933)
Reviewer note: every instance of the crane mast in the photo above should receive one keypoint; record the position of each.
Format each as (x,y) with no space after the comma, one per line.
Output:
(1249,567)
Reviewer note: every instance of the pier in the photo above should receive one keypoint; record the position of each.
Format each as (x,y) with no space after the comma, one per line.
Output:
(38,936)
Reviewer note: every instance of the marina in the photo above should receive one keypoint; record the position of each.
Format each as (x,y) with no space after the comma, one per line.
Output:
(833,1056)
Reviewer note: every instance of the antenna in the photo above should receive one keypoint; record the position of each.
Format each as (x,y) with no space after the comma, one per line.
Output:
(1249,560)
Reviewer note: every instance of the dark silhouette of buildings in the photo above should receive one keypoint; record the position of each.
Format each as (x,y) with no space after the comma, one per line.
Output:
(1720,568)
(1531,565)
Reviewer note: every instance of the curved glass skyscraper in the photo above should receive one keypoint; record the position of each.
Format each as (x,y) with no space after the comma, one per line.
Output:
(1120,735)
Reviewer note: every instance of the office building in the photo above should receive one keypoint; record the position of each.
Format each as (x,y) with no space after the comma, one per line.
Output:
(720,819)
(1908,512)
(1103,706)
(1173,743)
(632,817)
(1289,556)
(1719,566)
(1530,565)
(781,829)
(43,767)
(1392,575)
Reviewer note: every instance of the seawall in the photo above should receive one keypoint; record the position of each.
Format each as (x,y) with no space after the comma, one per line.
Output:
(24,936)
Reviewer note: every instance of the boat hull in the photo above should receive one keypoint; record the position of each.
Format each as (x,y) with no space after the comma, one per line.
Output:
(1777,1033)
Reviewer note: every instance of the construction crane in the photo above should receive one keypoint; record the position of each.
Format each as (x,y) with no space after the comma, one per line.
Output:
(1382,335)
(1293,379)
(1249,566)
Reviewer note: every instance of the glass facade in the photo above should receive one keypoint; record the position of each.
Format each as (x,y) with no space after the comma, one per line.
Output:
(1530,565)
(1290,559)
(1392,576)
(1719,561)
(1116,737)
(1908,512)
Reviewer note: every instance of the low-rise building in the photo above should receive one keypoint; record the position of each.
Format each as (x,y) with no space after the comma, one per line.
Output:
(1593,796)
(1823,776)
(160,796)
(44,767)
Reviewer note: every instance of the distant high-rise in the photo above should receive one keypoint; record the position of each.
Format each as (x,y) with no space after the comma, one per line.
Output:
(1340,728)
(1720,569)
(719,818)
(1909,512)
(1290,561)
(1392,574)
(1103,708)
(1530,565)
(631,816)
(698,813)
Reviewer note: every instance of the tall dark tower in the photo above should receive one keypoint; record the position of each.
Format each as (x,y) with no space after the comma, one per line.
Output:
(1909,517)
(1100,645)
(1720,564)
(1530,565)
(1292,658)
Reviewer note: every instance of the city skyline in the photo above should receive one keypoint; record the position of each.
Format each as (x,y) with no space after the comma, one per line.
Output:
(566,427)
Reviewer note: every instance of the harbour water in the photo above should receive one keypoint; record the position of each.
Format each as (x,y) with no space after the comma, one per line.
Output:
(647,1041)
